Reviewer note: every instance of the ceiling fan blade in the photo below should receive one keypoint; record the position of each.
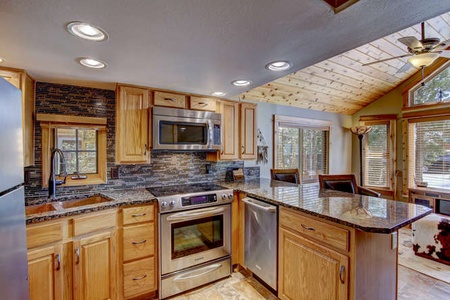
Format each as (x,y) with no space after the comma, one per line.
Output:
(411,42)
(405,68)
(386,59)
(442,45)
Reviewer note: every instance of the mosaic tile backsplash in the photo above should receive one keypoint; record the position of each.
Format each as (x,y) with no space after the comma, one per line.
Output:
(166,168)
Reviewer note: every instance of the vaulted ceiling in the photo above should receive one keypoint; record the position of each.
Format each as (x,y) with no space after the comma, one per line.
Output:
(342,84)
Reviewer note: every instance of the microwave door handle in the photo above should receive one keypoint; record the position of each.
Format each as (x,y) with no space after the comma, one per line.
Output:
(187,215)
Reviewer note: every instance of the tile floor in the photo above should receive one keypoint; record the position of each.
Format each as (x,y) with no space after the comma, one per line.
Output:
(411,285)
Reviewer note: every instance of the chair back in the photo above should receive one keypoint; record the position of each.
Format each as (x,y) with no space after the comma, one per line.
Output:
(342,182)
(287,175)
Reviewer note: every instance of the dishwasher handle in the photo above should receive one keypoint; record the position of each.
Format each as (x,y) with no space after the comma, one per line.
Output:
(251,202)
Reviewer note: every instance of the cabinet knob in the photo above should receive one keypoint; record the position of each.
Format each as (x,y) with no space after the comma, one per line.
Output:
(243,149)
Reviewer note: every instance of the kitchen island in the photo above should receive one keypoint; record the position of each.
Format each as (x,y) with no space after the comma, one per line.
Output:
(331,245)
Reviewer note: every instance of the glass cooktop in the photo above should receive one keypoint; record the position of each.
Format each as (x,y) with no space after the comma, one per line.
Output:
(184,189)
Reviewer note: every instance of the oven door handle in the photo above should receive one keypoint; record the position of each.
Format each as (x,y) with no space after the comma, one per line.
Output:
(197,273)
(186,215)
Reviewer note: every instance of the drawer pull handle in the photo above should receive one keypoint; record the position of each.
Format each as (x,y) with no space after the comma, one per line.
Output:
(202,104)
(58,260)
(140,278)
(169,99)
(341,272)
(138,215)
(141,242)
(308,228)
(77,252)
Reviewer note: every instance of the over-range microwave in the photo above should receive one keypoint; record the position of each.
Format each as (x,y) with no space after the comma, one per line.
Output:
(182,129)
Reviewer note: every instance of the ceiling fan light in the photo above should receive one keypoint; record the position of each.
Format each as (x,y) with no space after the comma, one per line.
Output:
(423,60)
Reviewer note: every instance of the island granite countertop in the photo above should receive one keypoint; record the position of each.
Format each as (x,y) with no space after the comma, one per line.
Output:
(365,213)
(116,198)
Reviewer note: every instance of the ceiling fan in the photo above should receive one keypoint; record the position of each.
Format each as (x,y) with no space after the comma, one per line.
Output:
(421,53)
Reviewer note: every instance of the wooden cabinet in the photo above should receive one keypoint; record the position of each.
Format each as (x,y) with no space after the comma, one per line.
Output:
(238,131)
(309,270)
(74,257)
(308,267)
(170,100)
(25,83)
(45,276)
(133,120)
(201,103)
(95,266)
(247,131)
(138,251)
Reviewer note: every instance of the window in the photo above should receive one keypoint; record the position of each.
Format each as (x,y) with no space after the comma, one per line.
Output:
(379,152)
(83,143)
(80,149)
(303,144)
(429,151)
(436,89)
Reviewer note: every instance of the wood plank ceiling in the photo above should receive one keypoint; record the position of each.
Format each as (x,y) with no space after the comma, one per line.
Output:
(341,84)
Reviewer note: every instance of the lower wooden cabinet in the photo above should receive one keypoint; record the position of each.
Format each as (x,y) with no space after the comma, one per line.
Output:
(310,271)
(95,266)
(44,273)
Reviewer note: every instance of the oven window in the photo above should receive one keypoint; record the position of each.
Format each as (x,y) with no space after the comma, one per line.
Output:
(196,236)
(182,133)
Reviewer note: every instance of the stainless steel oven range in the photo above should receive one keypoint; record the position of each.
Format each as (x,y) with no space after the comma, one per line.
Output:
(194,235)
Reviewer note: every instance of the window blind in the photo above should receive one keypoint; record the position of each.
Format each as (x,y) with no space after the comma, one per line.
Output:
(429,152)
(376,156)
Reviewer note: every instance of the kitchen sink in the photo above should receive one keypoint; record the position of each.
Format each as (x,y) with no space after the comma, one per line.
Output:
(82,202)
(37,209)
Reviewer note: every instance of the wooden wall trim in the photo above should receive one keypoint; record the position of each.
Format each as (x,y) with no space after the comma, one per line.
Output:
(54,118)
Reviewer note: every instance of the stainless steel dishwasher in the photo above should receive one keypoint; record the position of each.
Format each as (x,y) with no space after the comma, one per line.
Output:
(261,240)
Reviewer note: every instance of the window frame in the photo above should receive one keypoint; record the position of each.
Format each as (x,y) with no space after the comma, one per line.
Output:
(303,123)
(390,121)
(50,122)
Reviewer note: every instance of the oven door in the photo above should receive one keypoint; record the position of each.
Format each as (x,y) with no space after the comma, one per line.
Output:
(192,237)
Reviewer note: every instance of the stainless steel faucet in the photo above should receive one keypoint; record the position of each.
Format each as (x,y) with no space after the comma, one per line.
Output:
(52,181)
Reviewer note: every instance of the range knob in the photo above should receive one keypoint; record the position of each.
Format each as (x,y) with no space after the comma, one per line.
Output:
(164,204)
(230,196)
(224,197)
(172,203)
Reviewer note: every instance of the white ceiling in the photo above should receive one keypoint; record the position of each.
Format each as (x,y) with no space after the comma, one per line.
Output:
(195,46)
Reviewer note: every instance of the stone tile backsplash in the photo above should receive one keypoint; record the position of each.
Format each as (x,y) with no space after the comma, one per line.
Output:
(166,168)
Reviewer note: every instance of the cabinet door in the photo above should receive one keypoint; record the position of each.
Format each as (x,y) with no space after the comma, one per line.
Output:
(248,131)
(132,127)
(45,273)
(308,270)
(95,266)
(230,132)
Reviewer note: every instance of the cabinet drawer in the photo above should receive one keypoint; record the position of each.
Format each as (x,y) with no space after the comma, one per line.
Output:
(169,99)
(199,103)
(94,222)
(38,235)
(138,214)
(139,277)
(320,231)
(138,241)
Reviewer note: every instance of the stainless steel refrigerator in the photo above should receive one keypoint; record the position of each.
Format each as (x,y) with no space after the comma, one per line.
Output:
(13,247)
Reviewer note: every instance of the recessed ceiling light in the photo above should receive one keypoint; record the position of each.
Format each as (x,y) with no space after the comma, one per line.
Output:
(2,60)
(87,31)
(91,62)
(279,65)
(241,82)
(218,94)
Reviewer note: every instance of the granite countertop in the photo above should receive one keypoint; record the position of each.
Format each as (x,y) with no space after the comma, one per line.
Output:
(365,213)
(116,198)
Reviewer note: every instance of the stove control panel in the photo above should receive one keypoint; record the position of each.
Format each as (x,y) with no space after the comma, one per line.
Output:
(194,200)
(199,199)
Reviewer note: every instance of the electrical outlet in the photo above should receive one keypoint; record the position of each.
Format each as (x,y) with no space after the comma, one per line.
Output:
(115,172)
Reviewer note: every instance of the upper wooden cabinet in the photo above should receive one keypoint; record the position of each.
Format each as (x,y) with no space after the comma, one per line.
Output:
(200,103)
(133,119)
(238,131)
(170,100)
(25,83)
(248,131)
